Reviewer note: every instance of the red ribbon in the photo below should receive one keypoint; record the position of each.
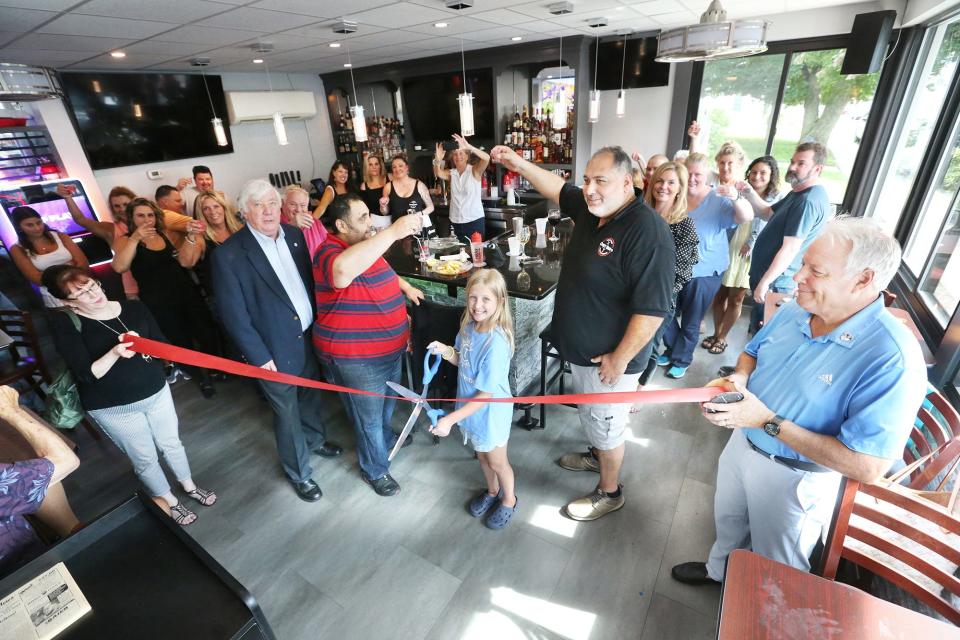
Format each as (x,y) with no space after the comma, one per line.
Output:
(205,361)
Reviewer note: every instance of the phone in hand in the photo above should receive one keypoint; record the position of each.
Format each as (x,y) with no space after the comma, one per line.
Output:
(727,397)
(450,145)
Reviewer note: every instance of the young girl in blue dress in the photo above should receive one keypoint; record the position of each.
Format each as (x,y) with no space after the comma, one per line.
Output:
(482,352)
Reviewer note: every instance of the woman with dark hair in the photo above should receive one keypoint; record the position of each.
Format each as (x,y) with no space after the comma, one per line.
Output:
(404,194)
(763,174)
(338,183)
(40,247)
(166,286)
(124,392)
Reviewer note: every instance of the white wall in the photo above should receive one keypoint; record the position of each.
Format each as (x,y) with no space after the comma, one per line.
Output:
(256,152)
(920,11)
(644,127)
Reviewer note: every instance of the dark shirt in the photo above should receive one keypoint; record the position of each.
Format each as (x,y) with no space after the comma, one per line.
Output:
(23,486)
(400,206)
(129,379)
(685,241)
(801,214)
(371,197)
(608,275)
(162,281)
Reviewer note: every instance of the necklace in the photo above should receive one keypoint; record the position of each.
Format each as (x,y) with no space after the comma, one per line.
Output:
(145,357)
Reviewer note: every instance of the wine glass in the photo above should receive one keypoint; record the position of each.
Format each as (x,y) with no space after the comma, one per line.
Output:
(553,217)
(523,236)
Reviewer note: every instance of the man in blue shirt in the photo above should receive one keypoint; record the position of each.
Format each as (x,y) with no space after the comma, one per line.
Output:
(793,223)
(831,387)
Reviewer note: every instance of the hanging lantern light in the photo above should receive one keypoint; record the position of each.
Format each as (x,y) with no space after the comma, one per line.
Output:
(560,104)
(595,95)
(218,131)
(359,123)
(465,101)
(279,130)
(622,97)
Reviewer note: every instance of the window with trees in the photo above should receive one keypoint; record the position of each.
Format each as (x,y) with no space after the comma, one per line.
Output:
(770,103)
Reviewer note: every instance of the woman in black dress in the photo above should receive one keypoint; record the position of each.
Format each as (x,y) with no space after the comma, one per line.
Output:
(404,194)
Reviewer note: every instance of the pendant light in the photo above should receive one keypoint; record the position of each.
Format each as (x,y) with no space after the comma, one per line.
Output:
(279,129)
(465,101)
(595,95)
(713,38)
(622,97)
(356,111)
(560,105)
(217,123)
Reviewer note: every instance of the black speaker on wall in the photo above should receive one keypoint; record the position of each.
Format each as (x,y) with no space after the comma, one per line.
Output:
(868,42)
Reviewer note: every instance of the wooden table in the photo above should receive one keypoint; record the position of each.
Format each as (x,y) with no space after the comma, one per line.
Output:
(764,599)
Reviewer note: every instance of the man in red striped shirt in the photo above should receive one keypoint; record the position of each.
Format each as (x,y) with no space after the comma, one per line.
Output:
(361,329)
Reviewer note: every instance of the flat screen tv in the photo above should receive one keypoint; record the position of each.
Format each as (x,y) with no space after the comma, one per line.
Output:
(431,104)
(640,70)
(125,119)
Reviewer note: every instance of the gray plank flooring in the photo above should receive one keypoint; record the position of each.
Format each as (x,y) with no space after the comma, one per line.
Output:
(358,566)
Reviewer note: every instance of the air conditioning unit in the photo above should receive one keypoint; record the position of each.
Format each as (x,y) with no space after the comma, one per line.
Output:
(257,106)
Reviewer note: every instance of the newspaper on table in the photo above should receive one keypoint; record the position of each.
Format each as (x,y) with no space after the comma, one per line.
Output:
(42,608)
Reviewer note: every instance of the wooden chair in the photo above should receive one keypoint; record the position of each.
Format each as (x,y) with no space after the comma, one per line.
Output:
(908,541)
(933,450)
(27,357)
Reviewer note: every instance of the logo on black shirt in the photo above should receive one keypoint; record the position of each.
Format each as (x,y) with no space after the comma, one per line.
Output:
(605,247)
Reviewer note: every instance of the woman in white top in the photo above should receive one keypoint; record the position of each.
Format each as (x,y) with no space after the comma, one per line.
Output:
(40,247)
(466,208)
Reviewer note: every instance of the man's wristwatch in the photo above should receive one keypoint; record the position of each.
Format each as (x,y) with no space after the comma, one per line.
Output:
(772,427)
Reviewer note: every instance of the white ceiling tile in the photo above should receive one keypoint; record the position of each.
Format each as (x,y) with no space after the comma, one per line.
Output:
(322,32)
(7,36)
(41,57)
(478,7)
(57,42)
(280,41)
(180,11)
(165,49)
(256,20)
(504,17)
(74,24)
(456,26)
(399,15)
(41,5)
(539,26)
(677,18)
(495,33)
(580,8)
(107,62)
(211,36)
(319,8)
(659,7)
(23,19)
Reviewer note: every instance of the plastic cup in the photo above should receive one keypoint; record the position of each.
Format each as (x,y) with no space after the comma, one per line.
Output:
(541,226)
(514,245)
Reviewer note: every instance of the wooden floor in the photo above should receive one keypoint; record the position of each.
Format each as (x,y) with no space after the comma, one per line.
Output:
(358,566)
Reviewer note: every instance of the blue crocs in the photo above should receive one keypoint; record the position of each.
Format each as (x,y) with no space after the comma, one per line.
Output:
(482,503)
(676,372)
(500,517)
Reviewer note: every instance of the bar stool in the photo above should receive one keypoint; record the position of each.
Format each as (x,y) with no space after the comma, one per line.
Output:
(547,352)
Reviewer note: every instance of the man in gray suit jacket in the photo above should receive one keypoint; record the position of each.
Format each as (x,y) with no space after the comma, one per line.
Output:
(263,282)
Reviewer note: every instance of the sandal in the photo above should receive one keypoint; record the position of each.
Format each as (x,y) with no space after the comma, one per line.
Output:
(708,342)
(718,347)
(180,513)
(204,497)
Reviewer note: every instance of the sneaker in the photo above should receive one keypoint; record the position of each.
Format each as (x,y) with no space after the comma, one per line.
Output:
(593,505)
(384,485)
(676,372)
(183,374)
(500,517)
(482,503)
(663,361)
(579,462)
(172,374)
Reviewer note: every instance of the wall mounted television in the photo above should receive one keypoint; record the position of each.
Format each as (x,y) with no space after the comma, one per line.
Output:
(125,119)
(640,70)
(431,108)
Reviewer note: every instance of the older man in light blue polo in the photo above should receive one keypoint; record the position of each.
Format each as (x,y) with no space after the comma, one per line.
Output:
(831,386)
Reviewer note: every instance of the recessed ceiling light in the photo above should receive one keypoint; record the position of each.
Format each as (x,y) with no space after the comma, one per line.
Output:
(118,54)
(550,77)
(257,61)
(334,45)
(440,25)
(517,38)
(347,65)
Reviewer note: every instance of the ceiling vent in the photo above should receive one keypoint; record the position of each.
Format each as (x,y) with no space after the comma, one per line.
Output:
(458,4)
(25,83)
(262,47)
(345,26)
(596,23)
(199,62)
(560,8)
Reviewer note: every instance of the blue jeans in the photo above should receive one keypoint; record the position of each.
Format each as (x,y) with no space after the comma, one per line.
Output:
(683,332)
(370,415)
(756,312)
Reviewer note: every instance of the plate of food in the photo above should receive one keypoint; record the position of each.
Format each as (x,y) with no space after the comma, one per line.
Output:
(449,267)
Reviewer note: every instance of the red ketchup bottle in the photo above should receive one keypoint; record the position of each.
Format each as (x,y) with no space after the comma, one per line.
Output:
(476,249)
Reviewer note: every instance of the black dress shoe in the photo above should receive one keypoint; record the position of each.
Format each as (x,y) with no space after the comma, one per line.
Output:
(384,485)
(692,573)
(207,390)
(307,491)
(329,450)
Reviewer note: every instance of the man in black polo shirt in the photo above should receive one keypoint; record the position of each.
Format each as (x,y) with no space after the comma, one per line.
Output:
(615,287)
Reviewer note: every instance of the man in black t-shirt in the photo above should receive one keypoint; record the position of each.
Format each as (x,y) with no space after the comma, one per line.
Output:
(615,287)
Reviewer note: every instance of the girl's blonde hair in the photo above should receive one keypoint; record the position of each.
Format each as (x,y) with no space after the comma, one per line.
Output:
(229,216)
(502,318)
(678,211)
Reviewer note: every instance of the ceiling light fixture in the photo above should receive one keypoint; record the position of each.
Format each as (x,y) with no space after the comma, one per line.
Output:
(218,131)
(465,101)
(334,45)
(622,97)
(118,54)
(517,38)
(356,111)
(258,61)
(440,25)
(278,129)
(713,38)
(560,105)
(595,95)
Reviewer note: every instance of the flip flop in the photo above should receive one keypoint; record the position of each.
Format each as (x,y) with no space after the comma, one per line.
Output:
(718,347)
(708,342)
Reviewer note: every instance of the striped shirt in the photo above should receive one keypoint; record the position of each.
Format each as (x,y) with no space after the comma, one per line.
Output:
(367,319)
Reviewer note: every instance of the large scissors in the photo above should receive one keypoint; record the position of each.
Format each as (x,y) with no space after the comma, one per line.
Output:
(431,364)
